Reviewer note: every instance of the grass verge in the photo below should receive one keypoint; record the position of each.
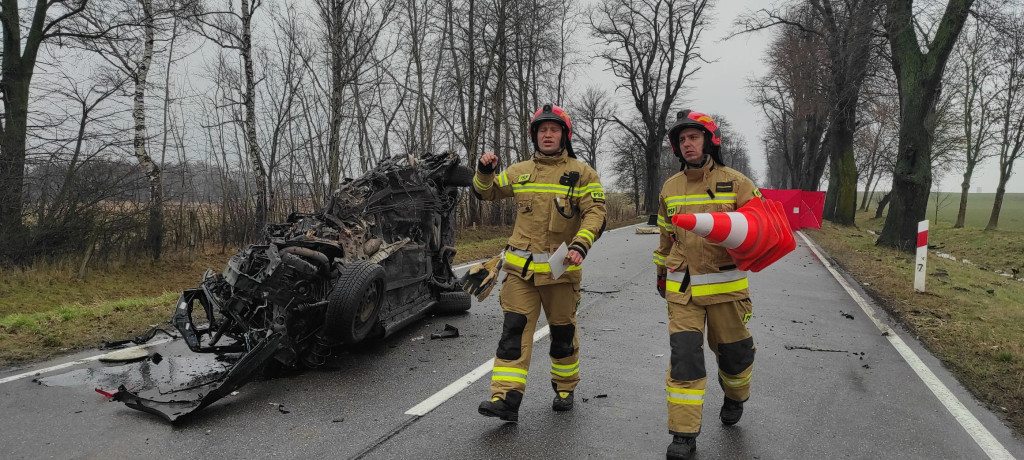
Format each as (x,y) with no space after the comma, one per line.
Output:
(969,317)
(47,310)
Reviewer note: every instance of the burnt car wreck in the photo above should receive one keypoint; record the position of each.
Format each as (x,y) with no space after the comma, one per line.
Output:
(375,258)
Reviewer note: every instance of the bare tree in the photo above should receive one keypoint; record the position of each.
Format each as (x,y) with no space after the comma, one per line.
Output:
(652,47)
(594,112)
(232,30)
(734,147)
(792,98)
(845,28)
(629,163)
(919,77)
(974,72)
(1010,99)
(20,51)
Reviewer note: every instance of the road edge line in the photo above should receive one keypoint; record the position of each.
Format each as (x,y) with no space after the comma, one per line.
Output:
(984,438)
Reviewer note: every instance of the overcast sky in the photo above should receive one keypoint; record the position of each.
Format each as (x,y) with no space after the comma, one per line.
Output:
(721,87)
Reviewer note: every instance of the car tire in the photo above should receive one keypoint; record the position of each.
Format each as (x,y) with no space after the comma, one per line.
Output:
(459,176)
(355,302)
(451,303)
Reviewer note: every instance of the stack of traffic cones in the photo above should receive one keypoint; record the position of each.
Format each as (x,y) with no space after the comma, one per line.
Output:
(756,235)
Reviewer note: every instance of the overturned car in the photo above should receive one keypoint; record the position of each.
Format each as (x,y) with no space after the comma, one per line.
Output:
(376,257)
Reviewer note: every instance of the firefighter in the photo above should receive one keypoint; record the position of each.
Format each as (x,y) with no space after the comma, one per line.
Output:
(701,284)
(559,200)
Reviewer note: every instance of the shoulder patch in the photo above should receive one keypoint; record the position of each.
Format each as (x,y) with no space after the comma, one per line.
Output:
(757,192)
(723,186)
(523,178)
(597,196)
(671,211)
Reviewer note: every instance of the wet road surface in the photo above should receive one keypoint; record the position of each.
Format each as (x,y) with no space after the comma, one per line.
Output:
(827,383)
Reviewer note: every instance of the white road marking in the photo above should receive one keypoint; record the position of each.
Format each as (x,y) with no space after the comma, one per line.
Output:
(462,383)
(981,435)
(73,363)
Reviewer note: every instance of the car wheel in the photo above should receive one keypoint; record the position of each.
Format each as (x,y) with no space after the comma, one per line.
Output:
(355,301)
(450,303)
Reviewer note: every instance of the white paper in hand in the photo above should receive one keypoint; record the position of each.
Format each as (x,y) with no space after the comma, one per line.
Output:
(557,261)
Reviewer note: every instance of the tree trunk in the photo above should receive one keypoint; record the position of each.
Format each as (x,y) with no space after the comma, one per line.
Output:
(652,155)
(918,77)
(155,227)
(12,156)
(965,186)
(912,178)
(882,204)
(252,146)
(997,205)
(337,83)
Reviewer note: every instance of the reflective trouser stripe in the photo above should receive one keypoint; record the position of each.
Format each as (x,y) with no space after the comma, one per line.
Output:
(684,396)
(510,374)
(565,370)
(737,382)
(721,288)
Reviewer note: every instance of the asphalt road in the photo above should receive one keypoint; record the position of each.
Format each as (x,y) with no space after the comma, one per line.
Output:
(829,381)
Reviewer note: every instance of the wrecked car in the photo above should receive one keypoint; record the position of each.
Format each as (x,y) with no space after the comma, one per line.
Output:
(375,258)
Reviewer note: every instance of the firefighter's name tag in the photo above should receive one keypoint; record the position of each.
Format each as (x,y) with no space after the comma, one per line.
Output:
(723,186)
(523,178)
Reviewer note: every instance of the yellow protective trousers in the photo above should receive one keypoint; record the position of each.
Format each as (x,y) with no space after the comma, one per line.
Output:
(521,302)
(686,379)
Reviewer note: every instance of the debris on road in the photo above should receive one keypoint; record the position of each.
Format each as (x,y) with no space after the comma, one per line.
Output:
(846,315)
(810,348)
(448,332)
(126,355)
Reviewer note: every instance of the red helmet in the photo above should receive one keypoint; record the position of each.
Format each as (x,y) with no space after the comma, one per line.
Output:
(692,119)
(557,114)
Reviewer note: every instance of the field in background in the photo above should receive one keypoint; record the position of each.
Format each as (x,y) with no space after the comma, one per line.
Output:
(979,208)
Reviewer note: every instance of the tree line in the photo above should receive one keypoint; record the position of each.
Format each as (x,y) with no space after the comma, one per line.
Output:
(869,91)
(135,126)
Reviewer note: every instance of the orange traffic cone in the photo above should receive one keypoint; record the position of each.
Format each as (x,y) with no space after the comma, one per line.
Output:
(754,235)
(786,243)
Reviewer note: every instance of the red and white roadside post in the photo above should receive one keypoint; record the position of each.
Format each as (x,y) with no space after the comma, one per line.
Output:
(922,255)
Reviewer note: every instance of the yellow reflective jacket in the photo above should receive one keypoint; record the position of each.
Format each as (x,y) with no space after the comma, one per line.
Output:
(696,268)
(539,227)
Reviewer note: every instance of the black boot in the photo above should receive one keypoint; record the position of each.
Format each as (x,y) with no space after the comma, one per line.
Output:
(682,448)
(562,402)
(506,409)
(731,411)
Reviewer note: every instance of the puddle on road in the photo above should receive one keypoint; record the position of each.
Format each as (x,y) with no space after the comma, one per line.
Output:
(163,375)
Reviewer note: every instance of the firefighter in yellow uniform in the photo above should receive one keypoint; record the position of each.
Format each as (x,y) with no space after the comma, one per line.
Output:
(701,284)
(560,200)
